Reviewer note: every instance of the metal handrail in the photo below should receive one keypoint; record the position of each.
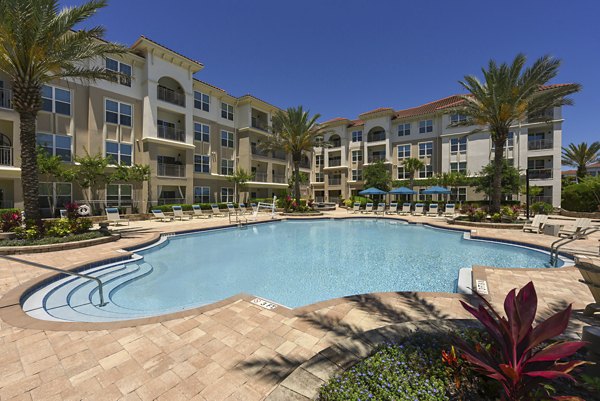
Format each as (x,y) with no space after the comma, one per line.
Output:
(67,272)
(556,245)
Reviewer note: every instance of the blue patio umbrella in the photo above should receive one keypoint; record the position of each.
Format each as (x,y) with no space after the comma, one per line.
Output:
(435,190)
(372,191)
(402,191)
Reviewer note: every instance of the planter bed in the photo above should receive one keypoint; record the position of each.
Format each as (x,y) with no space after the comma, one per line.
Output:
(14,250)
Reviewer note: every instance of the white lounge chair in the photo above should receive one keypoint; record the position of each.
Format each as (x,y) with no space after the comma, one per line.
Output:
(160,216)
(406,208)
(198,212)
(254,207)
(419,208)
(242,209)
(178,213)
(113,216)
(216,211)
(536,224)
(355,208)
(580,224)
(231,209)
(450,210)
(368,208)
(380,208)
(433,210)
(63,213)
(393,209)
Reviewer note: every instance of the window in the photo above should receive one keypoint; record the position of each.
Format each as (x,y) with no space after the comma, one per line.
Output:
(404,129)
(118,113)
(425,126)
(536,164)
(227,195)
(458,167)
(201,194)
(356,175)
(456,118)
(226,111)
(120,153)
(356,156)
(425,149)
(318,160)
(124,69)
(56,145)
(227,139)
(201,163)
(426,172)
(459,194)
(54,196)
(118,194)
(356,136)
(202,102)
(319,177)
(201,132)
(56,100)
(458,145)
(402,173)
(226,167)
(403,152)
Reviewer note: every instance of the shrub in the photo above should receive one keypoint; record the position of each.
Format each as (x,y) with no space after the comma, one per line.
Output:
(30,232)
(72,210)
(516,358)
(496,217)
(11,220)
(579,198)
(542,208)
(510,213)
(51,240)
(57,228)
(81,225)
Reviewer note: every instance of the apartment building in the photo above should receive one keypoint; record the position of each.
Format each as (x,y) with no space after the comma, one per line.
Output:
(192,134)
(425,132)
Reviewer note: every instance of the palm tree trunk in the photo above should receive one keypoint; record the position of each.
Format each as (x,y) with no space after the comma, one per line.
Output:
(297,181)
(581,171)
(497,179)
(412,179)
(29,169)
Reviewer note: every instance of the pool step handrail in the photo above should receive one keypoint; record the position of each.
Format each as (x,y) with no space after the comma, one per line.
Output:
(69,273)
(559,243)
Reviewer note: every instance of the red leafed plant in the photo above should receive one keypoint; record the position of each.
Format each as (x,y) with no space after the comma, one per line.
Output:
(516,359)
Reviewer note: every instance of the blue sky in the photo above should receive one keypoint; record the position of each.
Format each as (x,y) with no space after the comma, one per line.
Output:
(344,57)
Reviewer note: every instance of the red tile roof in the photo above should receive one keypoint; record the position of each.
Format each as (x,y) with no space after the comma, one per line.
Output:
(380,109)
(335,120)
(165,47)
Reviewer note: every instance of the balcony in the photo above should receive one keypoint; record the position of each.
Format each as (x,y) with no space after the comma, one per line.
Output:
(279,178)
(304,164)
(5,98)
(278,154)
(539,144)
(171,96)
(376,136)
(6,156)
(376,158)
(335,162)
(259,152)
(171,133)
(540,173)
(259,124)
(260,177)
(171,170)
(335,181)
(319,178)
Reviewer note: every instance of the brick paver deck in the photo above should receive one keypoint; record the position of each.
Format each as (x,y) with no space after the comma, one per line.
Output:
(237,351)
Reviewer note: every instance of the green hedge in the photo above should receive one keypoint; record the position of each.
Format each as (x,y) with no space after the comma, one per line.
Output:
(578,198)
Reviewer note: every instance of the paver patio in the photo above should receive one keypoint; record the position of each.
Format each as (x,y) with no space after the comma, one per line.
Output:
(238,351)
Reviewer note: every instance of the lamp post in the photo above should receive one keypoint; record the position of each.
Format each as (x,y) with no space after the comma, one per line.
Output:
(527,192)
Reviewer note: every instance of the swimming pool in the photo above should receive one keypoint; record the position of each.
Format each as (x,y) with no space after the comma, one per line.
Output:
(293,263)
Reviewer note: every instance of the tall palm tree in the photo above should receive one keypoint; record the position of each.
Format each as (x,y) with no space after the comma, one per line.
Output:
(412,165)
(508,95)
(294,132)
(580,156)
(38,45)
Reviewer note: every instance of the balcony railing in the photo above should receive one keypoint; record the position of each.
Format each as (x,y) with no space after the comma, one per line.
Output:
(171,133)
(6,98)
(260,177)
(336,144)
(279,178)
(319,178)
(258,124)
(539,144)
(335,181)
(171,170)
(304,165)
(170,201)
(171,96)
(279,155)
(335,162)
(377,136)
(259,152)
(6,156)
(376,158)
(540,173)
(541,198)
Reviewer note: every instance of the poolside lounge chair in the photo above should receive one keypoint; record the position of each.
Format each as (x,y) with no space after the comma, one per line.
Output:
(368,208)
(160,216)
(450,210)
(242,209)
(178,213)
(380,208)
(536,224)
(113,216)
(231,209)
(580,224)
(419,208)
(216,211)
(355,208)
(63,213)
(393,209)
(433,210)
(198,212)
(406,208)
(254,207)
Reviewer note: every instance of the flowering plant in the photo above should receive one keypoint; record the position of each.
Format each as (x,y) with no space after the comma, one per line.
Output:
(11,220)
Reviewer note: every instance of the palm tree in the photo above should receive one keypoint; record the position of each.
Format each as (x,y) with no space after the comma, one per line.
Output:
(239,179)
(509,94)
(580,156)
(38,45)
(412,165)
(294,132)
